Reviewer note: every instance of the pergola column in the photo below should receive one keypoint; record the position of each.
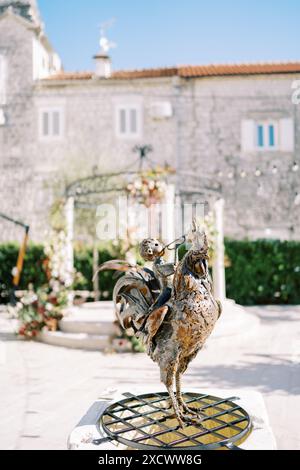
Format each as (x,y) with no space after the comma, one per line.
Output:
(69,215)
(169,218)
(218,261)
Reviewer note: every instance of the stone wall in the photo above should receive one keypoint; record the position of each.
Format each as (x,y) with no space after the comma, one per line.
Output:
(201,139)
(211,143)
(17,138)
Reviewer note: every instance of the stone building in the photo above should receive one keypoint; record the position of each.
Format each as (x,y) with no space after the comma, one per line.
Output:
(235,127)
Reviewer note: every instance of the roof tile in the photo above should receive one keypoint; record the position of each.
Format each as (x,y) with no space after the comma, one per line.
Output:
(190,71)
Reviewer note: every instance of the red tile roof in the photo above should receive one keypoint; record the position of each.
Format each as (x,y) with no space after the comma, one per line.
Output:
(71,76)
(191,71)
(239,69)
(147,73)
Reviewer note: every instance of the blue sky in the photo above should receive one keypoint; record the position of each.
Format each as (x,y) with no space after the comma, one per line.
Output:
(154,33)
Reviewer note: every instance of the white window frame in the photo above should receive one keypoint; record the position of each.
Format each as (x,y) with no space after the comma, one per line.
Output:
(284,132)
(51,136)
(265,124)
(127,108)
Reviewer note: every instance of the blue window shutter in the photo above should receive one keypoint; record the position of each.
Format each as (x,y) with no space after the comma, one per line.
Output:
(260,135)
(271,135)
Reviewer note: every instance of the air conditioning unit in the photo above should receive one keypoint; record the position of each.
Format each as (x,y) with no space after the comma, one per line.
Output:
(161,110)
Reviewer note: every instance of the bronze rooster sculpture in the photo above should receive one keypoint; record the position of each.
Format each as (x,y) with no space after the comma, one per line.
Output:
(174,317)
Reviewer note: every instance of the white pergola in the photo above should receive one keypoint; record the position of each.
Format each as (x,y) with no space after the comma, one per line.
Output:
(218,269)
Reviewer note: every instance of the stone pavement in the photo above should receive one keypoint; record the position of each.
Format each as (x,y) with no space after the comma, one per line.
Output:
(45,389)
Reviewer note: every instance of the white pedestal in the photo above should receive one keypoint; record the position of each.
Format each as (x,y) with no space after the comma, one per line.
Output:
(87,435)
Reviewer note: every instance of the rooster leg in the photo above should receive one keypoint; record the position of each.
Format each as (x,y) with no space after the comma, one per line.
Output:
(168,380)
(178,392)
(179,414)
(183,405)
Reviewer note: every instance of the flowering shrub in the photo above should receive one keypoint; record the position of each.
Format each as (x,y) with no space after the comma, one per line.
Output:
(30,319)
(41,309)
(150,187)
(44,308)
(56,263)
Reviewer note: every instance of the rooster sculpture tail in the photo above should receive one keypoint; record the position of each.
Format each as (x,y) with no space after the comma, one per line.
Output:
(134,293)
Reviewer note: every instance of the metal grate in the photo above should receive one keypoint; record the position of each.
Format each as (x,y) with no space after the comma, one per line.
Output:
(148,422)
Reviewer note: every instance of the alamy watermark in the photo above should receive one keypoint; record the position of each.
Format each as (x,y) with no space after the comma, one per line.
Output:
(160,220)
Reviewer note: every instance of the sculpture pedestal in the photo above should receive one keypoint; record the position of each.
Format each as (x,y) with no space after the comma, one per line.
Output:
(87,435)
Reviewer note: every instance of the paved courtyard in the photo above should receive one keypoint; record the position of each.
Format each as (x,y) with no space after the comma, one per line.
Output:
(45,389)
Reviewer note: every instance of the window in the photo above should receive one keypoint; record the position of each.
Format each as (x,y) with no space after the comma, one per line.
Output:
(128,121)
(2,80)
(268,135)
(51,123)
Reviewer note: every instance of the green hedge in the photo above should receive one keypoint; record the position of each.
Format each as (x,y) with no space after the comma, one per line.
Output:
(263,272)
(34,273)
(83,261)
(259,272)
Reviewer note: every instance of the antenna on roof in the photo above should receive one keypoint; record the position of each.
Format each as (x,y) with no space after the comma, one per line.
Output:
(105,44)
(102,59)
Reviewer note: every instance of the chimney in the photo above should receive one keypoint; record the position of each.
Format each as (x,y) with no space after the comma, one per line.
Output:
(102,65)
(102,59)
